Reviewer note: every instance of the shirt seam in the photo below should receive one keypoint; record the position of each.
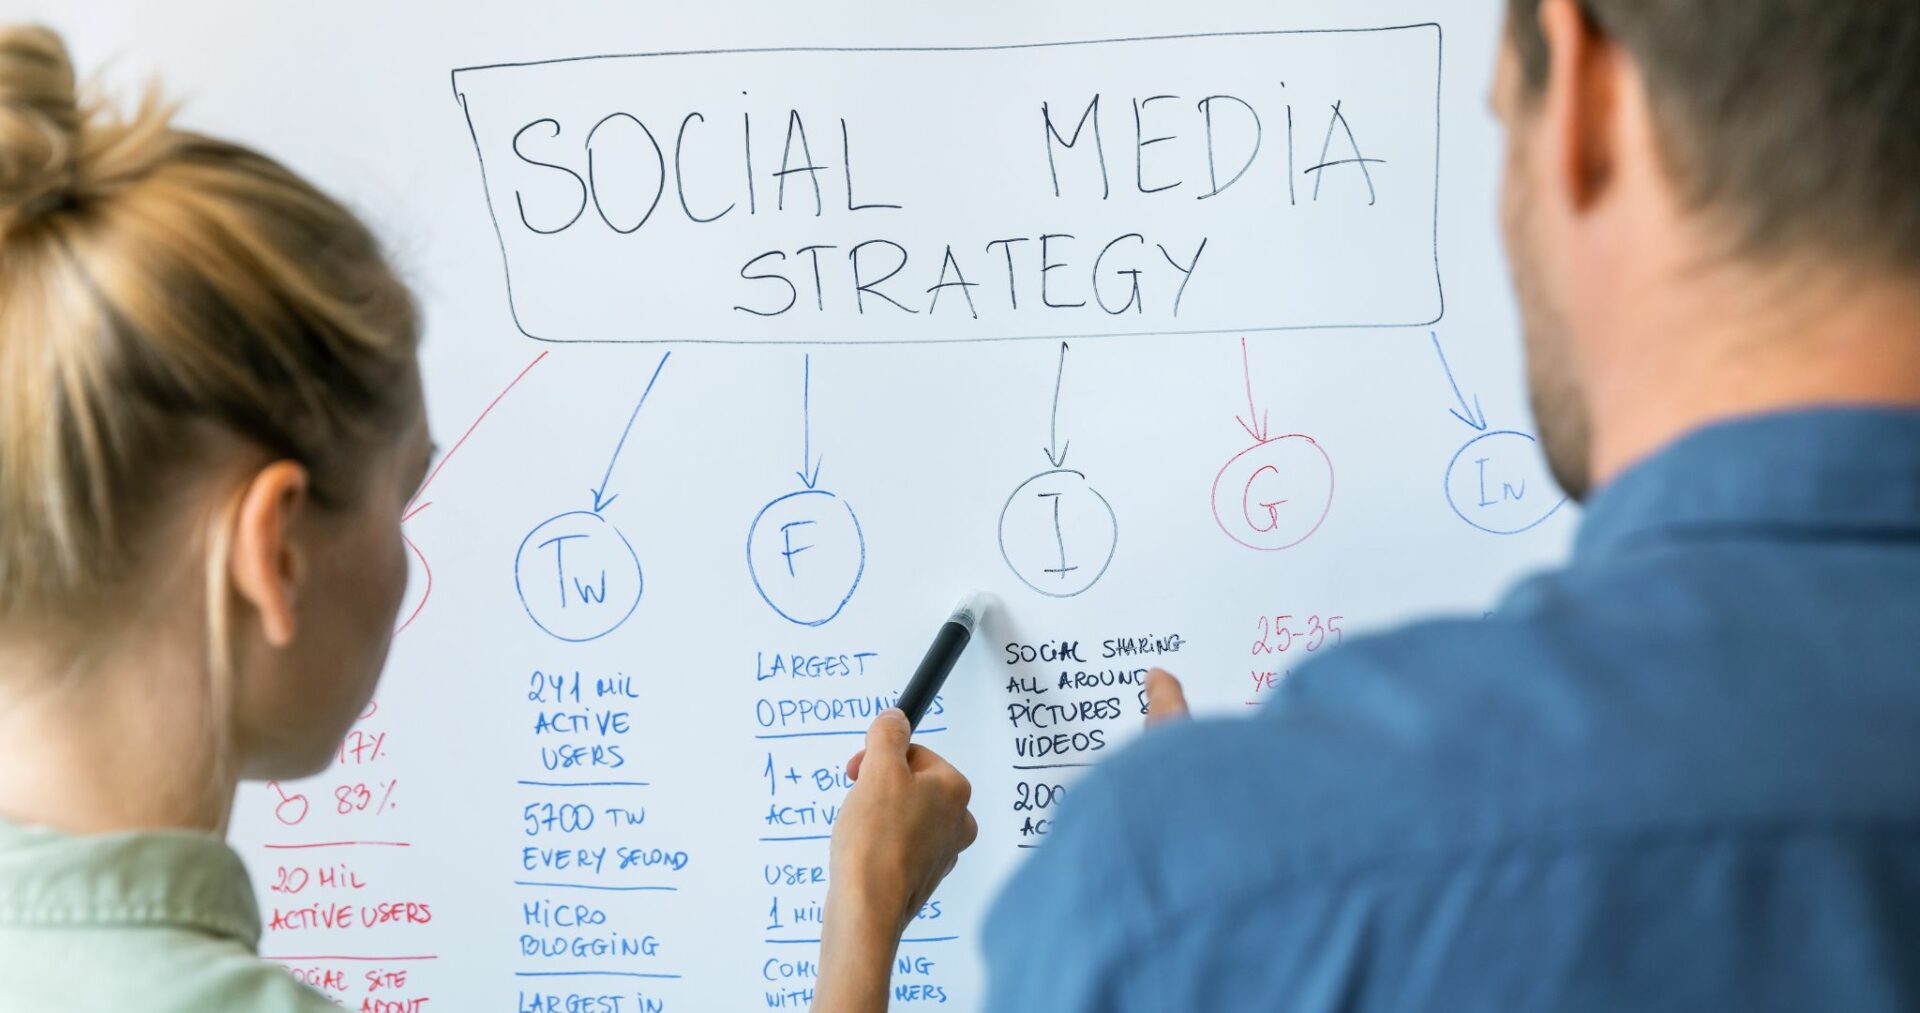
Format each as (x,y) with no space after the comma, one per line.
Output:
(126,917)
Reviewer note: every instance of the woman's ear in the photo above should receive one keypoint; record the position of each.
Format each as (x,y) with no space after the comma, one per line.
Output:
(268,565)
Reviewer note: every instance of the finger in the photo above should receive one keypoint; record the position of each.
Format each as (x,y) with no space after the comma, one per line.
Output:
(888,738)
(853,765)
(1166,698)
(969,832)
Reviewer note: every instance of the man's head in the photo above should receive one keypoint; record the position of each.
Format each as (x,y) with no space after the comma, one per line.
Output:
(1651,140)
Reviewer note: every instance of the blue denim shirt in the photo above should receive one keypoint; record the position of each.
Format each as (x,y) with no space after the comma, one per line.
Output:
(1683,773)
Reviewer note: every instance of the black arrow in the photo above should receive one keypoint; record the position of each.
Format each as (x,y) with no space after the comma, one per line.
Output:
(1056,451)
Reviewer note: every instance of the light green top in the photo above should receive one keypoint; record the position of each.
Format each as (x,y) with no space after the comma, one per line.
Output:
(157,922)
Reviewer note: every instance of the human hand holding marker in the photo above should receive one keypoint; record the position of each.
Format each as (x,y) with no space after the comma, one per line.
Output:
(899,833)
(903,827)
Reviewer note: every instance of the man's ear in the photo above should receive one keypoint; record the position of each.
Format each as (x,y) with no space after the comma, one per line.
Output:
(268,565)
(1581,105)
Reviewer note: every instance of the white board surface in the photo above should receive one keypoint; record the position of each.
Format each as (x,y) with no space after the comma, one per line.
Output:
(724,444)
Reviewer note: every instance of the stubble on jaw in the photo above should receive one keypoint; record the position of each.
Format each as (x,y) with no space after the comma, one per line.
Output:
(1554,386)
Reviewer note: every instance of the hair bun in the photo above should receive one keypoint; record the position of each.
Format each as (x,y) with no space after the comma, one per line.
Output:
(40,123)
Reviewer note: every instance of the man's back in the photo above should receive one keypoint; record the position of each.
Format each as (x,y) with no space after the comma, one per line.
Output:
(1683,773)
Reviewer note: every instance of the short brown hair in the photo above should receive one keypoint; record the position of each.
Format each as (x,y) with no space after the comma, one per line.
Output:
(1797,120)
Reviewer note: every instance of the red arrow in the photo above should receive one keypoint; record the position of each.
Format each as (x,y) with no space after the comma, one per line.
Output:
(415,506)
(413,510)
(1256,421)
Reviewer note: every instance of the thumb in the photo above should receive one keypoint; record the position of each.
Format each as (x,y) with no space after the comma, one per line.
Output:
(1166,699)
(887,738)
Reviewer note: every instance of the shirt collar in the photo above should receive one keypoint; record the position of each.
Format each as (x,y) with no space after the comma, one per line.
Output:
(1830,470)
(156,878)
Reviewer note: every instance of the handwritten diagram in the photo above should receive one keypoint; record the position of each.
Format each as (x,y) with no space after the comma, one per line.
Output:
(1496,482)
(805,550)
(1275,494)
(1120,211)
(578,576)
(1057,532)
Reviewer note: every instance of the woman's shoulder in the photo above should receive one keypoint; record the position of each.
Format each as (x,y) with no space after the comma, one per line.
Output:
(163,922)
(156,970)
(243,981)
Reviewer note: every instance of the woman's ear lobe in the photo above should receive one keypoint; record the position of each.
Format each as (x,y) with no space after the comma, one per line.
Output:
(269,566)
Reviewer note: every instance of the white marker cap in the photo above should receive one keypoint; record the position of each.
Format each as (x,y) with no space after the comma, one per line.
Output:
(972,610)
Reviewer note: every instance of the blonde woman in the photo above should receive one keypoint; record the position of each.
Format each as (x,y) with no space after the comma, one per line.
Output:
(210,419)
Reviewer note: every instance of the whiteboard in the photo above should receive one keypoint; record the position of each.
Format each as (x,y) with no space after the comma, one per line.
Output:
(757,335)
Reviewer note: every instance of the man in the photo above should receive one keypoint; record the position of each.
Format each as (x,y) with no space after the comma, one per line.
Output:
(1684,772)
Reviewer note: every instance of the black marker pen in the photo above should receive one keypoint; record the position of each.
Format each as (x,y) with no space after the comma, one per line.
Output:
(948,645)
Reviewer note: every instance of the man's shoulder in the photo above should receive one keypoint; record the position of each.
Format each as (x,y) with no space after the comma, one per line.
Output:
(1621,755)
(1607,735)
(1550,728)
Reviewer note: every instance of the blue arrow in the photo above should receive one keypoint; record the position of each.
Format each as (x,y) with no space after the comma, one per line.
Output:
(810,480)
(601,500)
(1472,415)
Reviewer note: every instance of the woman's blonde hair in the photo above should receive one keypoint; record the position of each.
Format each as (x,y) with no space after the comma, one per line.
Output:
(158,286)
